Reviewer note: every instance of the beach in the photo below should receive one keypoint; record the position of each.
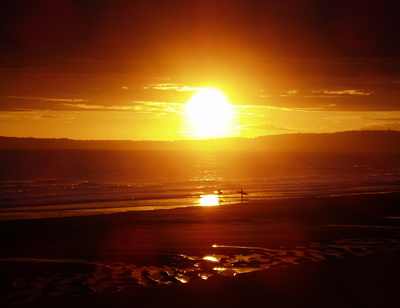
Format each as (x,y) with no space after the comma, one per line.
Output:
(205,154)
(320,252)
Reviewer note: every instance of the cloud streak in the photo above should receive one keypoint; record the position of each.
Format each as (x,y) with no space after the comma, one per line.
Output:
(342,92)
(32,116)
(48,99)
(86,107)
(172,87)
(26,104)
(265,127)
(158,109)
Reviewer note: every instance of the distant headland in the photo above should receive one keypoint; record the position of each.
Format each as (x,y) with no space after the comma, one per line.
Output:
(349,141)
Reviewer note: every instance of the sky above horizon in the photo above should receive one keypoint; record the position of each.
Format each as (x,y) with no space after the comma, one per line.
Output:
(127,69)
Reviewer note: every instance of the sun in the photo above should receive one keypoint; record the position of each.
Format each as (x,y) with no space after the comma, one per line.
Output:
(210,113)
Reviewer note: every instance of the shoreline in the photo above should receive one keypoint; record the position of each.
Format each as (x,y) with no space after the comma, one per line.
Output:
(95,208)
(275,237)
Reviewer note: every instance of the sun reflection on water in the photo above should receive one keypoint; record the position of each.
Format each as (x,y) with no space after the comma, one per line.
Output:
(209,200)
(211,258)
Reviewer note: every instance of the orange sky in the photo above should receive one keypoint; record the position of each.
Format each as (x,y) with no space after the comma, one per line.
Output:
(125,69)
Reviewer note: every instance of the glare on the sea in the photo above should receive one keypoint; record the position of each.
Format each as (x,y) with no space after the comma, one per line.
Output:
(209,200)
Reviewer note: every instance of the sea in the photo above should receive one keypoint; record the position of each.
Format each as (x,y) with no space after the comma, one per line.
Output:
(39,183)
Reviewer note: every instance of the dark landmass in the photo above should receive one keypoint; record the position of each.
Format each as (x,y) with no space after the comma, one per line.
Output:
(350,141)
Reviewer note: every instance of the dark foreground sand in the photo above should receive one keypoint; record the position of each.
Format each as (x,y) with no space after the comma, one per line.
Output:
(327,252)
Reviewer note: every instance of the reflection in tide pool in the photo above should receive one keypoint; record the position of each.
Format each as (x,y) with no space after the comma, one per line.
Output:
(225,261)
(210,258)
(209,200)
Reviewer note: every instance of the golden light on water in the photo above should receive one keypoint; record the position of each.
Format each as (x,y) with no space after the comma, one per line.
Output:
(205,276)
(209,200)
(183,279)
(210,113)
(211,258)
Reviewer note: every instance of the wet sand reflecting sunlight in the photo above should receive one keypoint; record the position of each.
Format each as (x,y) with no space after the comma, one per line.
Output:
(209,200)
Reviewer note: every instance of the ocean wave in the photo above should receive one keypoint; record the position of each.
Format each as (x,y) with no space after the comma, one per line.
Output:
(54,179)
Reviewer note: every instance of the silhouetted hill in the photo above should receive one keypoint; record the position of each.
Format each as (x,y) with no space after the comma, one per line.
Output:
(351,141)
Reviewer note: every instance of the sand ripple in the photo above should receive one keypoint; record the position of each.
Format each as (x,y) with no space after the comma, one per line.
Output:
(224,260)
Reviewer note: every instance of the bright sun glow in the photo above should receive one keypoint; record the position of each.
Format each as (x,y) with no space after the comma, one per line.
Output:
(210,113)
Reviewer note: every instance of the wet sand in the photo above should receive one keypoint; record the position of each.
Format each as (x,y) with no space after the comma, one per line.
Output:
(311,252)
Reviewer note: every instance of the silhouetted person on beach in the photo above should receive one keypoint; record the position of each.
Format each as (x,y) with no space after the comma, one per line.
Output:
(242,193)
(219,195)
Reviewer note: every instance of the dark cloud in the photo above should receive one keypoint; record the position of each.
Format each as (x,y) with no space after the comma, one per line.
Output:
(157,29)
(88,50)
